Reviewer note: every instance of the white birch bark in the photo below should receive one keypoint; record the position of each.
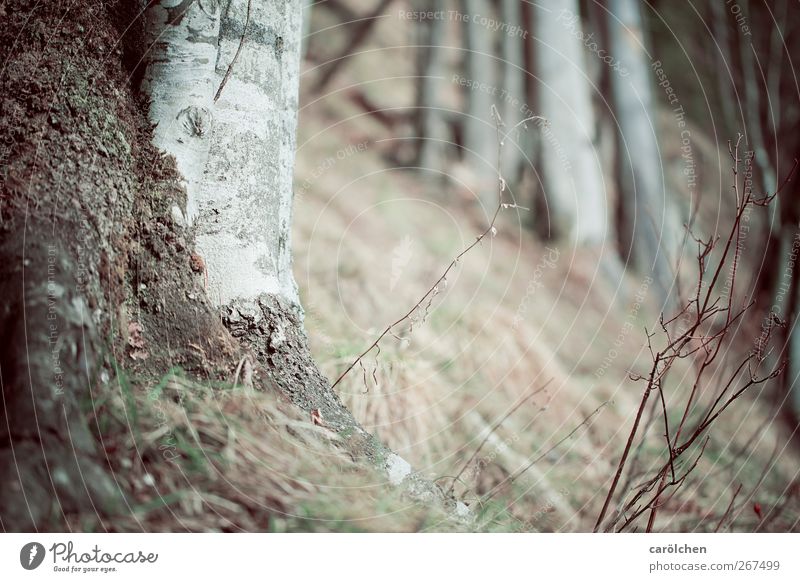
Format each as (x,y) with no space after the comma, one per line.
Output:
(234,143)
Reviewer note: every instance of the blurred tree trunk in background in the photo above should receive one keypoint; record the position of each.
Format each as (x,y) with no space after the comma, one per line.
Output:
(753,80)
(431,125)
(357,35)
(765,112)
(480,136)
(513,103)
(724,63)
(792,381)
(644,228)
(573,180)
(307,5)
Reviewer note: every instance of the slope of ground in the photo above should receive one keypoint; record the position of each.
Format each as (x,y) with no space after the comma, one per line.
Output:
(371,236)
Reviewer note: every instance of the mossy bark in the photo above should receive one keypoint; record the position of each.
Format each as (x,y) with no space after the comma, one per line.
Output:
(67,193)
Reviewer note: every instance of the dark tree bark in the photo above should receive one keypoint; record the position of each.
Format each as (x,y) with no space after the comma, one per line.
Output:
(67,196)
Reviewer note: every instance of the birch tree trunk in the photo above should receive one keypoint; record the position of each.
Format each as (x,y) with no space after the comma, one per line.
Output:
(232,127)
(223,78)
(480,138)
(573,180)
(645,216)
(67,189)
(431,126)
(223,81)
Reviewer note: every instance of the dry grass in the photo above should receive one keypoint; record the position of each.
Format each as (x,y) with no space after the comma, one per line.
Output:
(215,458)
(464,367)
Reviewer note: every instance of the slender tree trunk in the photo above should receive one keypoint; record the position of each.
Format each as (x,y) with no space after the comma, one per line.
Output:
(431,126)
(180,83)
(244,191)
(514,94)
(573,180)
(232,126)
(480,137)
(645,228)
(783,227)
(785,296)
(223,85)
(792,381)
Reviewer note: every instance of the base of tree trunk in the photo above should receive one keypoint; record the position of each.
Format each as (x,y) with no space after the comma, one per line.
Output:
(271,329)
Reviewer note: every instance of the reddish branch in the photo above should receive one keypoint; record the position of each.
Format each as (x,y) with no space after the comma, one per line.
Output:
(701,344)
(728,511)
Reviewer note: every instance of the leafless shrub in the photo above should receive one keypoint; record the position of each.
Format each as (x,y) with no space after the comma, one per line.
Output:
(696,333)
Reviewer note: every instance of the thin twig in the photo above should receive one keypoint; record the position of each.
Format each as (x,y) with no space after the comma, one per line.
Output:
(434,289)
(520,472)
(235,56)
(728,511)
(626,451)
(492,431)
